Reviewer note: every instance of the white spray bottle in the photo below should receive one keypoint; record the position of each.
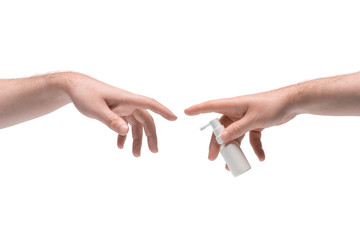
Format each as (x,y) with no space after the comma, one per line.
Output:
(231,152)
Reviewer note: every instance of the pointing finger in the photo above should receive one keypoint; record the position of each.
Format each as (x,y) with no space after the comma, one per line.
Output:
(153,105)
(219,106)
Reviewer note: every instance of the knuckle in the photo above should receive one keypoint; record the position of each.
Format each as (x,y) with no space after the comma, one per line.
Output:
(236,128)
(256,143)
(152,101)
(112,122)
(145,117)
(255,139)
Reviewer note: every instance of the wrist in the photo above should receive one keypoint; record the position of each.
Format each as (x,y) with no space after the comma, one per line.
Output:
(60,83)
(292,99)
(296,99)
(306,97)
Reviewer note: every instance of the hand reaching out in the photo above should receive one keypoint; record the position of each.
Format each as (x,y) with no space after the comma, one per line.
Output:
(27,98)
(336,96)
(117,108)
(250,113)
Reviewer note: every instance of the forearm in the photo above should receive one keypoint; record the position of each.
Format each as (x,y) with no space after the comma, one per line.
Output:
(27,98)
(337,96)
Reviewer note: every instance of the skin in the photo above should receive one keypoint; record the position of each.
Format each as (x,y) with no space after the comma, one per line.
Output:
(333,96)
(24,99)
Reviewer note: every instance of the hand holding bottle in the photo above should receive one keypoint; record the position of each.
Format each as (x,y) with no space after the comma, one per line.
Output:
(337,96)
(250,113)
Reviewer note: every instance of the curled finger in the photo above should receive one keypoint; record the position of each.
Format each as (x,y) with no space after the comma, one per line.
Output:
(255,141)
(147,121)
(137,134)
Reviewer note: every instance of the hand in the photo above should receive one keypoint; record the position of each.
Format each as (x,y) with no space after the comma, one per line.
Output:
(250,113)
(116,108)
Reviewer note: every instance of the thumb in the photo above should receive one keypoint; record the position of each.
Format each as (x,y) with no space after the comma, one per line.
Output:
(237,129)
(114,122)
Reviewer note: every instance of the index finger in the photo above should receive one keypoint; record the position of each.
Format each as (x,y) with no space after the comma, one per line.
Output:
(153,105)
(219,106)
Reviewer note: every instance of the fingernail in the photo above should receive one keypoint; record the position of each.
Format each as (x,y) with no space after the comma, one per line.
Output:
(123,128)
(225,135)
(173,117)
(154,149)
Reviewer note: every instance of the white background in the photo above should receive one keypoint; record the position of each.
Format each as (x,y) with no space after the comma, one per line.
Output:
(62,176)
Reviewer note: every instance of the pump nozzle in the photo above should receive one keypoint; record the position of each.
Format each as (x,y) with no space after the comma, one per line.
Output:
(217,129)
(204,126)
